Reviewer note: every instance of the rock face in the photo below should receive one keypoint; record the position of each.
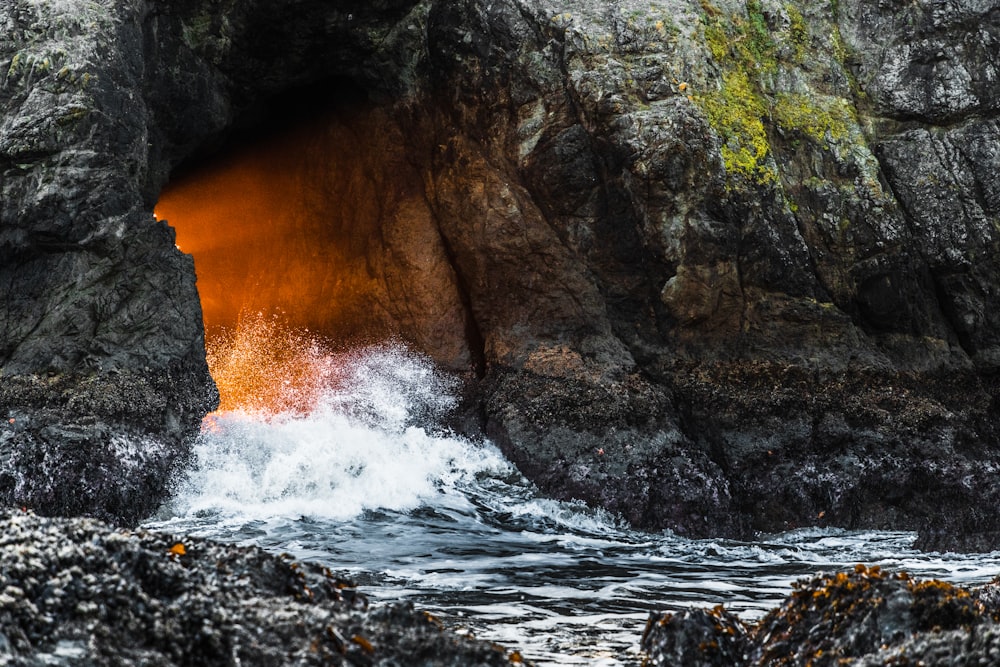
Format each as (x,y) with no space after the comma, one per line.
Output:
(102,372)
(78,592)
(720,267)
(867,617)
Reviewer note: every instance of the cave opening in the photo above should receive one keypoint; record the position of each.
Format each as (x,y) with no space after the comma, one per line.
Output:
(309,225)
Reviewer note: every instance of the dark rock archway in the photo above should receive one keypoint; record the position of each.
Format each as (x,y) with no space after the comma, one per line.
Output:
(720,269)
(320,220)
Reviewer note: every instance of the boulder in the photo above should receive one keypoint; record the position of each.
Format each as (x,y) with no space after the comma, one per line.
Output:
(865,617)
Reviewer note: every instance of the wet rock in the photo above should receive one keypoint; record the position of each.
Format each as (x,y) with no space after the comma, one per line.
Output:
(76,591)
(576,440)
(101,352)
(741,248)
(104,445)
(865,617)
(701,200)
(697,637)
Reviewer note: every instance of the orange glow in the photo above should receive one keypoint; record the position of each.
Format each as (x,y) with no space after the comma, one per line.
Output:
(272,229)
(263,368)
(281,233)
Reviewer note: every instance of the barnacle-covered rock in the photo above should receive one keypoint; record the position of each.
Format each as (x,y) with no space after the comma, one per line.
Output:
(697,638)
(865,617)
(76,591)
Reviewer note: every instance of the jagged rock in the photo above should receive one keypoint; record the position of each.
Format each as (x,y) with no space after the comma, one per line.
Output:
(866,617)
(76,591)
(102,351)
(696,637)
(817,342)
(722,267)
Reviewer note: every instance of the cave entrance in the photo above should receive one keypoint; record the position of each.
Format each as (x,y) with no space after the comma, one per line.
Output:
(314,225)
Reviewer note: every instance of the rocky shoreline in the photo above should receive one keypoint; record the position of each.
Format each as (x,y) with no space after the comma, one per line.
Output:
(717,266)
(78,591)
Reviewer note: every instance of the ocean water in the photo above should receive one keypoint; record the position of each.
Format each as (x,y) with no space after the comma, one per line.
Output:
(364,481)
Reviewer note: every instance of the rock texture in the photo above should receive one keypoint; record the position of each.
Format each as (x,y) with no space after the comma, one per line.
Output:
(75,591)
(866,617)
(719,266)
(714,301)
(102,371)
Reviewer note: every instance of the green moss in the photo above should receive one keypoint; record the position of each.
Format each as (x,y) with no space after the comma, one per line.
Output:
(839,50)
(747,51)
(757,44)
(16,64)
(737,42)
(735,113)
(821,120)
(717,41)
(743,48)
(798,32)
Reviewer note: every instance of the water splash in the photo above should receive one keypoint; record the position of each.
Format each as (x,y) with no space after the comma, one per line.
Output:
(263,368)
(361,478)
(323,465)
(305,431)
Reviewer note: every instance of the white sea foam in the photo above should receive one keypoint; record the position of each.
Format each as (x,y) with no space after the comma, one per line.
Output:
(367,445)
(364,481)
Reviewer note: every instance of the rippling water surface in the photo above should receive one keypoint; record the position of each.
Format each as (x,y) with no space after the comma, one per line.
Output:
(364,484)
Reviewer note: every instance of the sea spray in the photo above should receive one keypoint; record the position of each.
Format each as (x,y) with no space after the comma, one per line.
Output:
(318,433)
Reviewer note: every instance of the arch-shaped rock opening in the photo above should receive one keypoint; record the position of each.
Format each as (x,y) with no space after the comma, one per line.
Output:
(313,213)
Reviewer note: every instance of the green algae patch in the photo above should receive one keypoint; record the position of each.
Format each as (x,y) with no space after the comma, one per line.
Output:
(821,119)
(743,48)
(735,112)
(756,46)
(755,52)
(798,33)
(738,42)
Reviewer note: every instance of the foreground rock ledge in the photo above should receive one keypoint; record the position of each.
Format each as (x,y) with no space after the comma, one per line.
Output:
(866,617)
(75,591)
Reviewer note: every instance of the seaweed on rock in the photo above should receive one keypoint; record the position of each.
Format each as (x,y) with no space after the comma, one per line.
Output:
(868,616)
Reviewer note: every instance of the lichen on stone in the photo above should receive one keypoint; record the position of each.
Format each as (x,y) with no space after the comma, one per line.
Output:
(822,119)
(743,48)
(735,112)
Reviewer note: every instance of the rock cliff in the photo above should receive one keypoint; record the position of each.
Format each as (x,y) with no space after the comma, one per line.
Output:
(719,266)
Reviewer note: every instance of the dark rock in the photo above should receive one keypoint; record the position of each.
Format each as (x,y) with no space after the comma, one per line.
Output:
(865,617)
(747,250)
(697,637)
(576,439)
(102,352)
(75,591)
